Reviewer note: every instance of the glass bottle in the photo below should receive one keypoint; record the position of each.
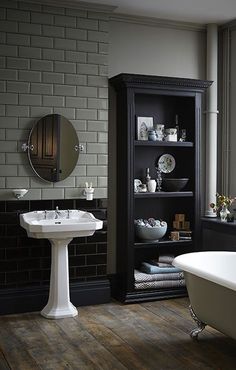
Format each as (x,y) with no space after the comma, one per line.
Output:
(148,177)
(177,125)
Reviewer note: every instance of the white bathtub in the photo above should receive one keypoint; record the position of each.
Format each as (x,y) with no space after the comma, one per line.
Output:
(211,284)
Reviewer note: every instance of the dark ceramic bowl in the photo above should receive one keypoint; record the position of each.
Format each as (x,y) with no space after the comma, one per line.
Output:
(173,184)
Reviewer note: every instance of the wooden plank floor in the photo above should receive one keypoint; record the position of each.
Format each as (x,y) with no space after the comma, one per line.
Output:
(147,336)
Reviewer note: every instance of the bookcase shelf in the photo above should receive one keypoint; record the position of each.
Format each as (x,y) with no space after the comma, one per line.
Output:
(162,243)
(164,194)
(162,98)
(178,144)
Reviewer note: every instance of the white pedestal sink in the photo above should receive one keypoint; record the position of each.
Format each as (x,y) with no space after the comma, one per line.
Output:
(60,231)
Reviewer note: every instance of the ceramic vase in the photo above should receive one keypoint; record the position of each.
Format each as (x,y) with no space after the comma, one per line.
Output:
(152,184)
(223,213)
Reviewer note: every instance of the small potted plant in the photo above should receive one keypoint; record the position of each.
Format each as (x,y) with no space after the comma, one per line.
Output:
(221,205)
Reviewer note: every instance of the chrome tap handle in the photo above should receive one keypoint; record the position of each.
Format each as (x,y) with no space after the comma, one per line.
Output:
(68,214)
(57,213)
(45,214)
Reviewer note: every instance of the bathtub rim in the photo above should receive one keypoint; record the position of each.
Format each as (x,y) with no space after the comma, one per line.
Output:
(186,263)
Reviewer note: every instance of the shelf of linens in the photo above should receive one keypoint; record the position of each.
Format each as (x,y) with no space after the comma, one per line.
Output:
(164,194)
(162,243)
(164,143)
(158,275)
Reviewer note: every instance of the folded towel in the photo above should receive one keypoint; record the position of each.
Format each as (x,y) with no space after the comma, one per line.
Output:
(160,284)
(166,258)
(160,264)
(151,269)
(141,277)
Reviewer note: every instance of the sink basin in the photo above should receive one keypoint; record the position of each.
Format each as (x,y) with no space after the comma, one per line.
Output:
(60,227)
(78,224)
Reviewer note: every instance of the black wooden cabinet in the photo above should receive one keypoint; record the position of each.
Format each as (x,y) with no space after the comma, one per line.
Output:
(162,98)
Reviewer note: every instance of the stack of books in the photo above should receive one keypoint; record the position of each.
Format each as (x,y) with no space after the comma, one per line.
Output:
(185,234)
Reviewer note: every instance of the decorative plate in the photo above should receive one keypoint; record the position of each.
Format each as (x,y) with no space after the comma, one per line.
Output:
(166,163)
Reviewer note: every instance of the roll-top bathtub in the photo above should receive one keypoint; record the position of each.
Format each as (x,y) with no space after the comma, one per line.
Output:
(211,284)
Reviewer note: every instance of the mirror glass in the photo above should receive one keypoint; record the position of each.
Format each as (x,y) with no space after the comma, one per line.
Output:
(53,148)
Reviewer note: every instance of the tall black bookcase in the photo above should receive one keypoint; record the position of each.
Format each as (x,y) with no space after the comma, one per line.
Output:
(162,98)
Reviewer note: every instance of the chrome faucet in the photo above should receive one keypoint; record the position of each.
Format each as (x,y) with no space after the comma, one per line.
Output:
(57,212)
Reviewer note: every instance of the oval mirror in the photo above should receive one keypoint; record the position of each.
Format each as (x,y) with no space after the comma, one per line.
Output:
(53,148)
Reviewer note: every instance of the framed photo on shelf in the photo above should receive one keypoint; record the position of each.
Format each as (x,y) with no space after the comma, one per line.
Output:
(143,125)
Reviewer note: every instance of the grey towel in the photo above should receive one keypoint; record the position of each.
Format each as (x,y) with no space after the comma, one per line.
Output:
(168,258)
(160,264)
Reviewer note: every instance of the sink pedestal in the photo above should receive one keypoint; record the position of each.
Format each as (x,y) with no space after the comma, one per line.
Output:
(59,304)
(60,231)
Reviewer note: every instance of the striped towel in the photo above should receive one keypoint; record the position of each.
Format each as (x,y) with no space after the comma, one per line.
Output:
(160,284)
(141,277)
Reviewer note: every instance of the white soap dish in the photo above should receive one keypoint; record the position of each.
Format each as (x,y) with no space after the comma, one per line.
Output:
(20,193)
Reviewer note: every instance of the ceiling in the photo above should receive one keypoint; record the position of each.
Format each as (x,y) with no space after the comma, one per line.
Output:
(198,11)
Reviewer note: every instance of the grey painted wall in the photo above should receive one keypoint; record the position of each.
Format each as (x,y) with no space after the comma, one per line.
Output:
(157,50)
(52,60)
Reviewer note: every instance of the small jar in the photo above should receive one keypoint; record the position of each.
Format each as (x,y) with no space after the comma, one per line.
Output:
(152,136)
(160,130)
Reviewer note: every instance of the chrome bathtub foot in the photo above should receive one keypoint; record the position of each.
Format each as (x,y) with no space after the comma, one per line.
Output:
(200,325)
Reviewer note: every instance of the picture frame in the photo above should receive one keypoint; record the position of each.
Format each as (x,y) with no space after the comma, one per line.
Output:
(143,125)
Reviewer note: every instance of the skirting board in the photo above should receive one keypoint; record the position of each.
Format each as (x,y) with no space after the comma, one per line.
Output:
(34,299)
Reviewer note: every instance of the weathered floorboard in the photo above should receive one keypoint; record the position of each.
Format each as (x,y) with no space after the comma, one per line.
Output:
(146,336)
(3,362)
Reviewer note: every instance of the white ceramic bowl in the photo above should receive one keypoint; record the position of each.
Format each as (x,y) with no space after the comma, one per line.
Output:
(154,233)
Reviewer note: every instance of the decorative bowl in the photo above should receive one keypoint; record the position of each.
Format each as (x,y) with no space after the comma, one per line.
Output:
(151,234)
(174,184)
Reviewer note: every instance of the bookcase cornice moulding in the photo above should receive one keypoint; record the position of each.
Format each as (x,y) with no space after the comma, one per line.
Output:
(157,22)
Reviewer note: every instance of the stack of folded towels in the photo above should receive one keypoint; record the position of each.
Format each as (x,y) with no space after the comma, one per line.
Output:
(157,274)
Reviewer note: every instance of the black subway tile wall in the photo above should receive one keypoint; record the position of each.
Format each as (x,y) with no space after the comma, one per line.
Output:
(25,262)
